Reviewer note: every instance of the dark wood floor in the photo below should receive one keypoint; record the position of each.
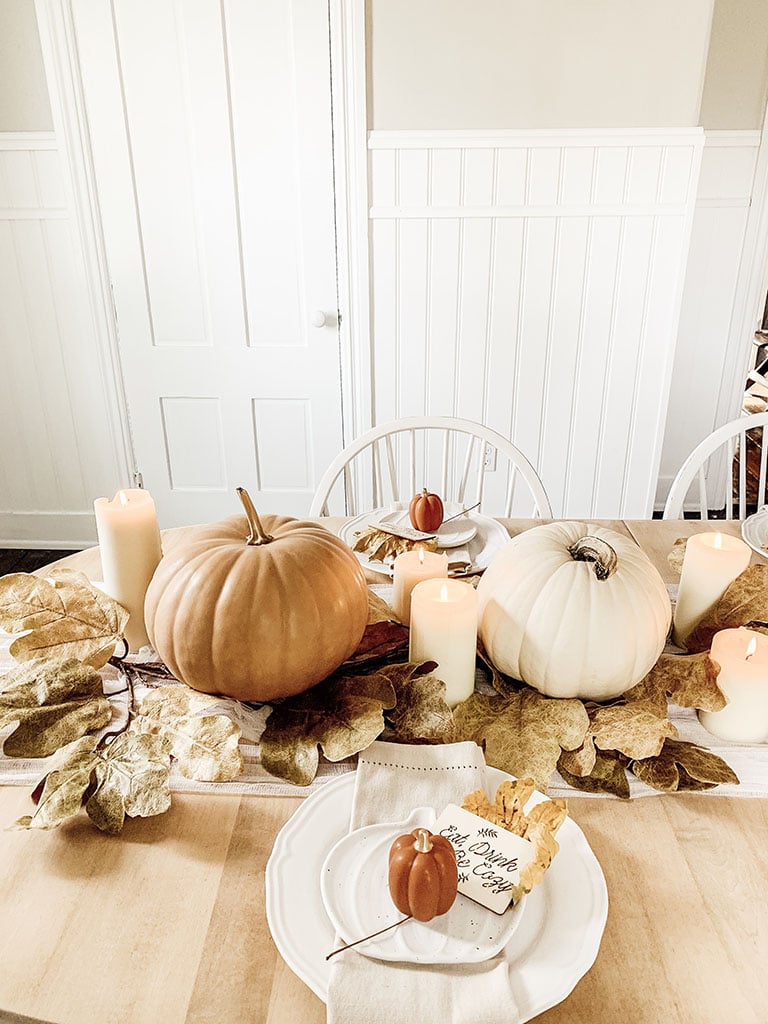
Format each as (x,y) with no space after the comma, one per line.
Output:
(16,560)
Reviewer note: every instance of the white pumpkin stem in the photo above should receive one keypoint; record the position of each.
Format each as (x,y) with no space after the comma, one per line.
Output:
(604,559)
(423,842)
(257,534)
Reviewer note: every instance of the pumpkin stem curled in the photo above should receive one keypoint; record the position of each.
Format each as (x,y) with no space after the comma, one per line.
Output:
(257,534)
(423,842)
(604,559)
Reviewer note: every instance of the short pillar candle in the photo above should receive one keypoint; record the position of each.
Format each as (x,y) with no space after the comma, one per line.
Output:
(410,568)
(712,562)
(444,629)
(742,655)
(129,543)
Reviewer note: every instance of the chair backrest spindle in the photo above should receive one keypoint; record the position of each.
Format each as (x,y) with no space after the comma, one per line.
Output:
(711,463)
(408,438)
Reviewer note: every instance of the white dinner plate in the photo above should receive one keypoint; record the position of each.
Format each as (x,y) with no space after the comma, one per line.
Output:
(552,949)
(354,884)
(754,530)
(486,538)
(449,535)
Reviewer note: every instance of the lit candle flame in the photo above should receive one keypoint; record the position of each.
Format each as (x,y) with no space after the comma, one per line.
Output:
(123,498)
(718,541)
(421,556)
(444,592)
(751,648)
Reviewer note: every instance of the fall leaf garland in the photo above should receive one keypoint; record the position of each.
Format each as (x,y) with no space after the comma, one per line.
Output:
(55,697)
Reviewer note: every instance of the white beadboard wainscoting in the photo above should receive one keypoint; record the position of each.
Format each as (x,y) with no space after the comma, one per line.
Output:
(57,451)
(710,353)
(532,281)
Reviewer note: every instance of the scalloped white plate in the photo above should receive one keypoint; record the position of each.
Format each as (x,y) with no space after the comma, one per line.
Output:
(354,884)
(754,531)
(488,536)
(552,949)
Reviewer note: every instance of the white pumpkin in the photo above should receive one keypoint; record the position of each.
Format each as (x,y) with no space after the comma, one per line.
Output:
(574,611)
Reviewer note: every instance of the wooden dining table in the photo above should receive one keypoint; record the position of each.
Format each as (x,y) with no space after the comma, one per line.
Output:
(166,922)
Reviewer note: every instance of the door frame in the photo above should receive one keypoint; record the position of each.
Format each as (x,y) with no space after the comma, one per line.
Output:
(59,51)
(349,97)
(347,42)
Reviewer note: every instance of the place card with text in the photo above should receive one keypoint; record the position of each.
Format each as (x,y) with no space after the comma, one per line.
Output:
(489,858)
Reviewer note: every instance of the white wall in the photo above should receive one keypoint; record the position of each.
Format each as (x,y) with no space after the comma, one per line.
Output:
(494,64)
(736,83)
(58,452)
(24,102)
(704,344)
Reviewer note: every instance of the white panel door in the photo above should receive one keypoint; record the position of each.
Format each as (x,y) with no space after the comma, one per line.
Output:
(210,125)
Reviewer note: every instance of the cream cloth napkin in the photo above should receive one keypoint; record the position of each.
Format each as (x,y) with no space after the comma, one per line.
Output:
(392,780)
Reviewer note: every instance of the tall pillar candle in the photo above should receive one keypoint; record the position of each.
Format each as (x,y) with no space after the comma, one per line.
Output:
(129,541)
(411,568)
(712,561)
(742,655)
(444,629)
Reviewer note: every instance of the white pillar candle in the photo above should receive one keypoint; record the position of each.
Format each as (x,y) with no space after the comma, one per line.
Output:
(129,542)
(742,655)
(444,629)
(411,568)
(712,561)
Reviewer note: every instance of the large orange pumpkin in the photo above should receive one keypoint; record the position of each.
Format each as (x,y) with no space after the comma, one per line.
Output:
(256,610)
(423,876)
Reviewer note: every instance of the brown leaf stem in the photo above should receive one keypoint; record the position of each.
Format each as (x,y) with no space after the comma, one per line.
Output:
(371,936)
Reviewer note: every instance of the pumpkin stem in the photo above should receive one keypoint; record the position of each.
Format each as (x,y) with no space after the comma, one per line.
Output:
(604,559)
(423,842)
(257,534)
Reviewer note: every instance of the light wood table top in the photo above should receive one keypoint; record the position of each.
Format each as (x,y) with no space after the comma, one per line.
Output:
(166,923)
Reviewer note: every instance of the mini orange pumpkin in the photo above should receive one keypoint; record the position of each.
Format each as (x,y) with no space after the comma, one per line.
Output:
(260,615)
(426,511)
(423,877)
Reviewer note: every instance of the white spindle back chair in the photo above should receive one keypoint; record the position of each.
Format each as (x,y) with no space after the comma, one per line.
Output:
(450,456)
(701,467)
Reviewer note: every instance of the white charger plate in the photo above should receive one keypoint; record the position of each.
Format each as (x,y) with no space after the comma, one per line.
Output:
(354,884)
(754,531)
(552,949)
(449,535)
(488,537)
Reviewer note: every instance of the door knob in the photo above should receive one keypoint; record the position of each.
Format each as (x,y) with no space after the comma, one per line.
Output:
(319,318)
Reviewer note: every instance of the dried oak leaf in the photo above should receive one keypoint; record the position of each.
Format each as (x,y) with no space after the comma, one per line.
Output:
(380,546)
(380,640)
(539,825)
(635,729)
(54,702)
(683,766)
(131,777)
(580,761)
(206,746)
(689,680)
(677,554)
(744,599)
(524,732)
(606,775)
(379,610)
(342,715)
(421,712)
(66,616)
(502,684)
(69,776)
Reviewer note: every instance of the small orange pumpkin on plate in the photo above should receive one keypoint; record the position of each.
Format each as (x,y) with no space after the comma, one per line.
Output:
(426,511)
(423,877)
